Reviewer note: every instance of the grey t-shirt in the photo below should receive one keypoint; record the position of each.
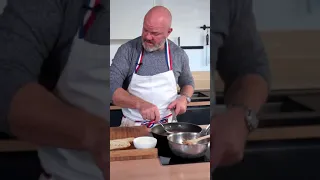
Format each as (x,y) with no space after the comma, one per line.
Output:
(236,46)
(125,60)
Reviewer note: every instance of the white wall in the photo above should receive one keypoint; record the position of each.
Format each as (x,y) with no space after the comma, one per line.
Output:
(188,16)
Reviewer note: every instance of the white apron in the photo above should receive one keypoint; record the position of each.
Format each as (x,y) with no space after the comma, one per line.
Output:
(83,83)
(159,89)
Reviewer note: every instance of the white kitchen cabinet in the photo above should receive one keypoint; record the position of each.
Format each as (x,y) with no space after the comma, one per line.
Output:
(287,14)
(126,17)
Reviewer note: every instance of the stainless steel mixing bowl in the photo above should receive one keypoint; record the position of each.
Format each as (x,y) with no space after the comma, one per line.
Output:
(187,151)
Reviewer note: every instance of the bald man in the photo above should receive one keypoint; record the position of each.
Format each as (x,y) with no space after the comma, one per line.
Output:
(145,72)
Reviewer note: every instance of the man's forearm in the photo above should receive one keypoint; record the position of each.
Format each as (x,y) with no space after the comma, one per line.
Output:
(39,117)
(187,90)
(249,90)
(124,99)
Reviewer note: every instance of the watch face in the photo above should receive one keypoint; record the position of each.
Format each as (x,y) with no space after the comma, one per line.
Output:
(188,98)
(252,119)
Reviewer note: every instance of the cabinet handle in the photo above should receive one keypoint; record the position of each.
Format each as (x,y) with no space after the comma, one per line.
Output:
(207,44)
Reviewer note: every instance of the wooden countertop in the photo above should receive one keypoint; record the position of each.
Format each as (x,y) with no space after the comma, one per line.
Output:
(152,169)
(202,103)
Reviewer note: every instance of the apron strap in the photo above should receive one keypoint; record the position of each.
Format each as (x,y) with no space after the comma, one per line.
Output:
(150,124)
(89,17)
(139,61)
(167,53)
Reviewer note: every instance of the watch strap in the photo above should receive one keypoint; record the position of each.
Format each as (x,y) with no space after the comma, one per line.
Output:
(187,97)
(250,116)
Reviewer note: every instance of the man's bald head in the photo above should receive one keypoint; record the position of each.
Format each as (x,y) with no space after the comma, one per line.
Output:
(160,16)
(156,28)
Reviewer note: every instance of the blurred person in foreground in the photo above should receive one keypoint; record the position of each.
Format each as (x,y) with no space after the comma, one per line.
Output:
(54,83)
(241,61)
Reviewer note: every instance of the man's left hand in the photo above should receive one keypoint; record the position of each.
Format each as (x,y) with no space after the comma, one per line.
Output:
(180,105)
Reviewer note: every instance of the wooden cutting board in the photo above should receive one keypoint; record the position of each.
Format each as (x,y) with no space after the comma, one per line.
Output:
(131,153)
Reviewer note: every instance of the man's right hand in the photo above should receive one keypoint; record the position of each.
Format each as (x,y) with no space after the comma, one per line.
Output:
(149,111)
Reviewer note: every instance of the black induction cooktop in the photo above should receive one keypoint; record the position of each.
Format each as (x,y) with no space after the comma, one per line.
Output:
(176,160)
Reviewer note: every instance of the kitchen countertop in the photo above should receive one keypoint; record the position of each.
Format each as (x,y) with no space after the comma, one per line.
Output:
(201,103)
(194,100)
(152,169)
(274,133)
(285,92)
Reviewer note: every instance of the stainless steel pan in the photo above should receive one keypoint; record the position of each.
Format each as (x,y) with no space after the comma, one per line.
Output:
(188,151)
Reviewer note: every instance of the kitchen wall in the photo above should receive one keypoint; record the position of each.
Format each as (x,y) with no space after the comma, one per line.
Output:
(188,17)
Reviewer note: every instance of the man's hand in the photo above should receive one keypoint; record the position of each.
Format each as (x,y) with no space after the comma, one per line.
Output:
(149,111)
(180,105)
(228,137)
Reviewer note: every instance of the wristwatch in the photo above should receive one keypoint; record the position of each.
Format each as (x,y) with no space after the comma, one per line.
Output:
(187,97)
(250,116)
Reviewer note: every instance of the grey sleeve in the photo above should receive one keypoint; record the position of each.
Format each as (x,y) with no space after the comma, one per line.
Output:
(185,77)
(119,68)
(28,31)
(243,52)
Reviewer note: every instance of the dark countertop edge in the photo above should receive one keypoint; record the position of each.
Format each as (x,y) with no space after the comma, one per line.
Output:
(281,92)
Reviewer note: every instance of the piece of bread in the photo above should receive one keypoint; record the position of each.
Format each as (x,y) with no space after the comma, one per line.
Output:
(130,139)
(118,144)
